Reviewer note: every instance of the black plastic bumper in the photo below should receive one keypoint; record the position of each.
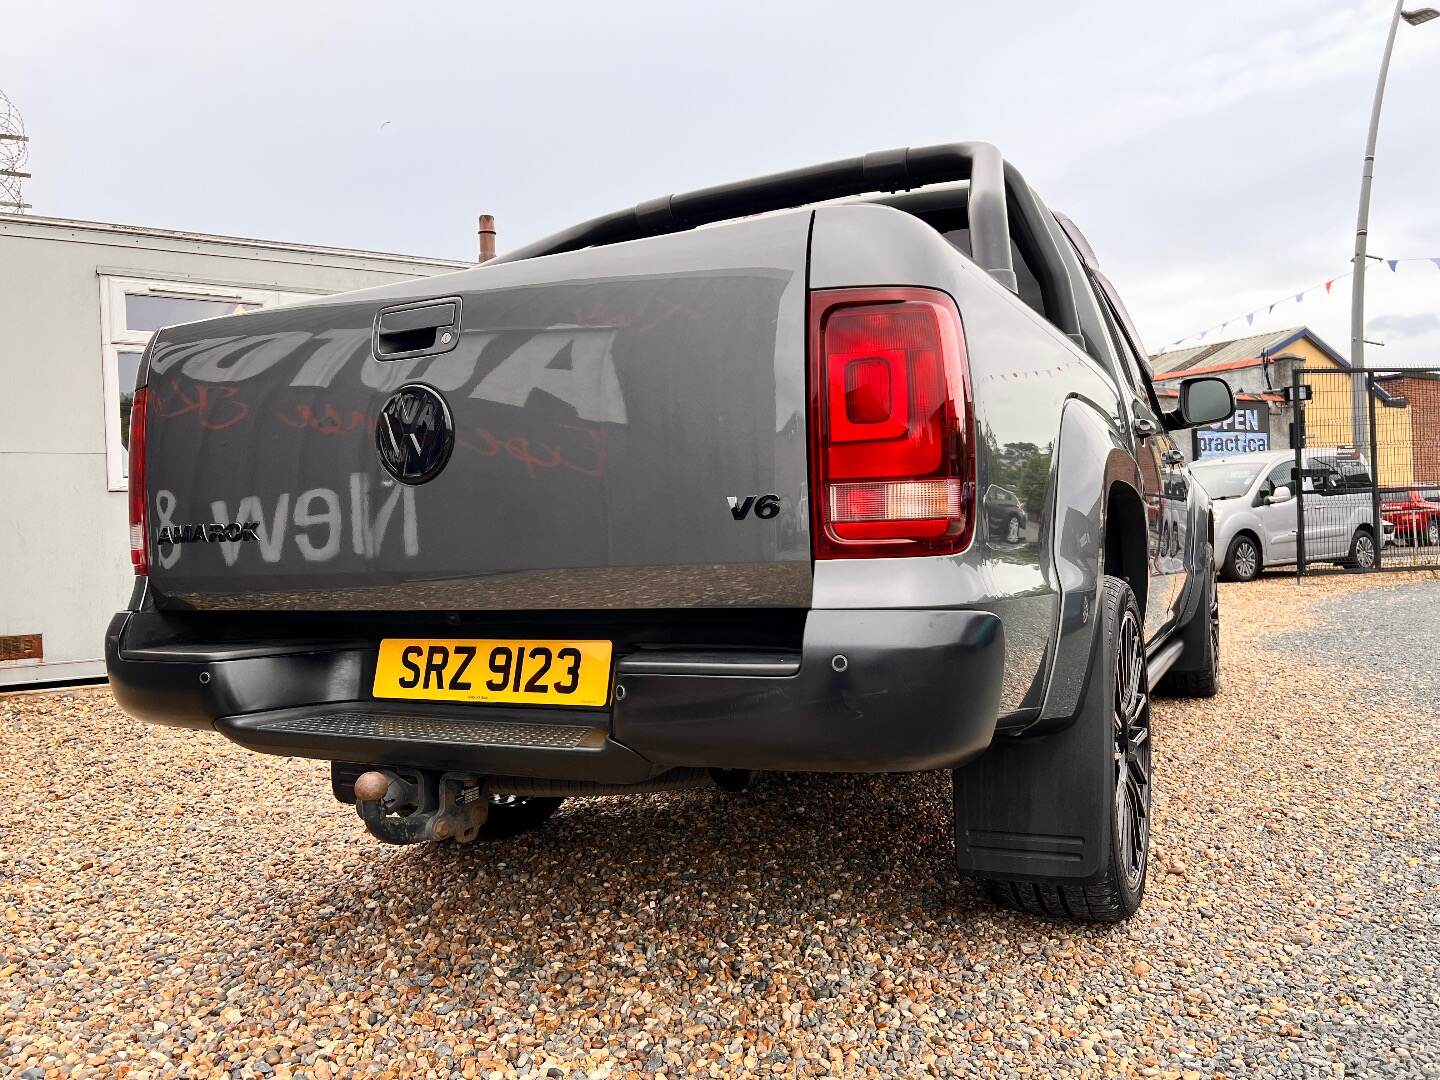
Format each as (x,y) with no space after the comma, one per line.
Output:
(869,691)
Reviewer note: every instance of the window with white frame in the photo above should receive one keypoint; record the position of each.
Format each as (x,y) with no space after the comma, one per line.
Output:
(131,310)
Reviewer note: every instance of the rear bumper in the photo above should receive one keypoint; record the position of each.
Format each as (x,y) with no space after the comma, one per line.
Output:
(869,691)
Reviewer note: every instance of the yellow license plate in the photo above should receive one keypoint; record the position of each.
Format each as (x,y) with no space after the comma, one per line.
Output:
(558,673)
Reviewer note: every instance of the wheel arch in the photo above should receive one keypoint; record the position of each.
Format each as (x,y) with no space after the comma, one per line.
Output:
(1246,530)
(1097,484)
(1127,540)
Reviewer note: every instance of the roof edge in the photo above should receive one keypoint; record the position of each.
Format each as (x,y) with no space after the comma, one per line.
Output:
(44,223)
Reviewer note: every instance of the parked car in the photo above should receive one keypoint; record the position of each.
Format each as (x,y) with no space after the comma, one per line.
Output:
(1414,513)
(646,505)
(1257,516)
(1004,515)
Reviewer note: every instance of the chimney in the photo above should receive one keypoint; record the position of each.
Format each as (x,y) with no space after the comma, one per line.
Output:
(487,237)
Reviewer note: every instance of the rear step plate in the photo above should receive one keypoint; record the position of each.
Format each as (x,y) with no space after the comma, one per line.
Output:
(366,725)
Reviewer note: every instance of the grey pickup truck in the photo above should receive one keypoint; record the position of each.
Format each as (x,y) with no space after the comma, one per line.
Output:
(854,468)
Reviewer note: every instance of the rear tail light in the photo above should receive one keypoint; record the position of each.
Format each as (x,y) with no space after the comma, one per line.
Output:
(139,523)
(892,426)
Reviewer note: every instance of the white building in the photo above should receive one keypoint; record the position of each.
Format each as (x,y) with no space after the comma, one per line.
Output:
(78,302)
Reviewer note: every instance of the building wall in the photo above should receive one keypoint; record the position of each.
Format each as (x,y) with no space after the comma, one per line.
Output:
(1423,396)
(1328,413)
(1327,417)
(1394,442)
(64,562)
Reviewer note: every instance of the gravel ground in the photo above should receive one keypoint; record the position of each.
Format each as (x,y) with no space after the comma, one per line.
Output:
(1403,628)
(170,903)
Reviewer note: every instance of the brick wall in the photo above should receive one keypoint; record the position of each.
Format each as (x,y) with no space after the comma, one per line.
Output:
(1423,394)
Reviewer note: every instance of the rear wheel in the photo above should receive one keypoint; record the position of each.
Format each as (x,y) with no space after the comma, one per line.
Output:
(1197,672)
(1108,745)
(1242,561)
(1362,550)
(1432,532)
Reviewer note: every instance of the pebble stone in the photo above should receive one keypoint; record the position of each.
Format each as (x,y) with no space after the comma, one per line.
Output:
(171,905)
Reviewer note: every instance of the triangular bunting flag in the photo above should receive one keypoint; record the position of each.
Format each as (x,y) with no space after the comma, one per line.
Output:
(1299,298)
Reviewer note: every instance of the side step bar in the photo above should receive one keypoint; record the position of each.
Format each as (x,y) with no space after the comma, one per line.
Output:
(1157,664)
(373,725)
(573,744)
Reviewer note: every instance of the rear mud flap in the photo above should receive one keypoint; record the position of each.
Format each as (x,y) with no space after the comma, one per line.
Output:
(1038,808)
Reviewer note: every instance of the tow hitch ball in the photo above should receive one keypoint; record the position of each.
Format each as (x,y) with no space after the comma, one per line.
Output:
(408,807)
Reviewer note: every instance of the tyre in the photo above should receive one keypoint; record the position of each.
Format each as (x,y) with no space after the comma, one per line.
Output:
(1197,672)
(1093,779)
(512,815)
(1362,550)
(1432,532)
(1242,561)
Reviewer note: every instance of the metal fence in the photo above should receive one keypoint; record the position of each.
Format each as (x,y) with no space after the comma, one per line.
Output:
(1367,450)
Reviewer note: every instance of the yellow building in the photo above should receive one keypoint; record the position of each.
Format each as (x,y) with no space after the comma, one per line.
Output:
(1262,367)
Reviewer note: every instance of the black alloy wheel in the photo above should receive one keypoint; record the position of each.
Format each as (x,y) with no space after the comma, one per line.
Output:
(1098,769)
(1215,620)
(1132,749)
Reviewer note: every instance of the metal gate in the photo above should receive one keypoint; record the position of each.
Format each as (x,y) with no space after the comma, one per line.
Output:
(1367,450)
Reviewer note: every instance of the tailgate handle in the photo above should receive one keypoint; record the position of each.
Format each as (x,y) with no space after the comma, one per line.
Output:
(417,329)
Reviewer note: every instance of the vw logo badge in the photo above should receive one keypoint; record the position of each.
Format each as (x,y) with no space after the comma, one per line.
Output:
(414,435)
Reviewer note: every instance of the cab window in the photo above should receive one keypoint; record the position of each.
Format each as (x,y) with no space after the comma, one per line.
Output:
(1088,306)
(1136,376)
(1282,475)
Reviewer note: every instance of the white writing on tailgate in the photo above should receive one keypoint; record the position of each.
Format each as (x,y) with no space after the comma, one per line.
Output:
(313,523)
(588,385)
(575,364)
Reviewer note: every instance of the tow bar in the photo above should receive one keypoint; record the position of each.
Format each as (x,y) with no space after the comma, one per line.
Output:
(405,807)
(411,806)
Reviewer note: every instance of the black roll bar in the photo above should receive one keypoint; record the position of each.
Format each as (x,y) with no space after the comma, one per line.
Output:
(1037,230)
(998,200)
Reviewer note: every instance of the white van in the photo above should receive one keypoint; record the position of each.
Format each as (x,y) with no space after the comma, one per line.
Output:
(1257,514)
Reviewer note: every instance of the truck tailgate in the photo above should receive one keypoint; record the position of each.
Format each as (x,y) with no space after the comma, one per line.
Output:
(613,412)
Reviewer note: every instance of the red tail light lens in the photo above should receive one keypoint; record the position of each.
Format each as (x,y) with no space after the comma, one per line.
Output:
(892,429)
(139,520)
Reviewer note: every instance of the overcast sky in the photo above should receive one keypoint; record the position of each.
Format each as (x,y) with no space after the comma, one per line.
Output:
(1210,151)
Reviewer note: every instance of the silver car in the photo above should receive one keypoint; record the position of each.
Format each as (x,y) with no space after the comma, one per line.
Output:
(1257,514)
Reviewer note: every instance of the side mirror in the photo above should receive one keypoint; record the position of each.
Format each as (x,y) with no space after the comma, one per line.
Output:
(1204,400)
(1280,495)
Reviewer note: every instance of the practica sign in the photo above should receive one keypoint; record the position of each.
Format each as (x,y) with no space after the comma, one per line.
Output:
(1246,432)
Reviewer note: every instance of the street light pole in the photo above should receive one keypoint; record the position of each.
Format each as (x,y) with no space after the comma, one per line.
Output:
(1358,402)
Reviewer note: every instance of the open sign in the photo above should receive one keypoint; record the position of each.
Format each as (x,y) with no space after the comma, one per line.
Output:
(1247,431)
